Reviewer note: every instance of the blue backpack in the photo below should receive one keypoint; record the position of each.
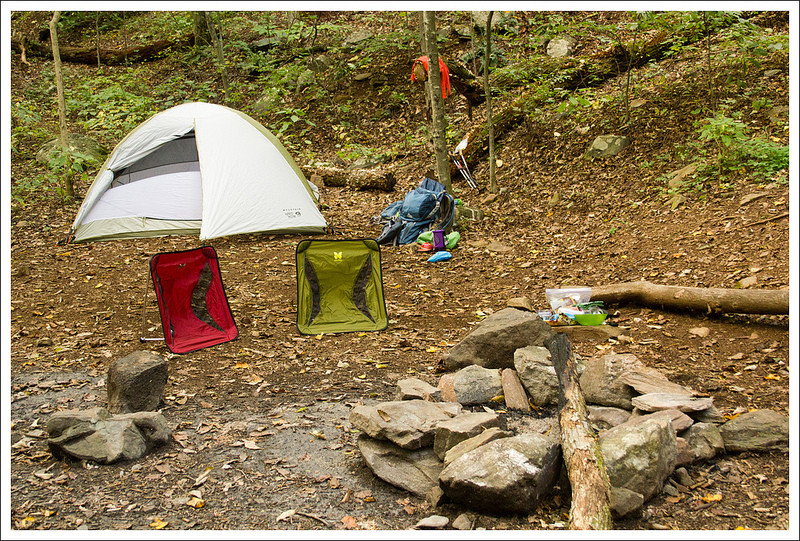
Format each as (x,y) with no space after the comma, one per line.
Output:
(426,207)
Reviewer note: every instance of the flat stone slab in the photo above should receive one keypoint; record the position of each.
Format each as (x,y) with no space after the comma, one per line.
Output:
(410,424)
(665,401)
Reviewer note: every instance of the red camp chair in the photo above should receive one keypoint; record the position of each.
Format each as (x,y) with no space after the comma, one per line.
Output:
(191,300)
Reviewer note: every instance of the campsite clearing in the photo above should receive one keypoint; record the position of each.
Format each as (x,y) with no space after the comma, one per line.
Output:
(261,438)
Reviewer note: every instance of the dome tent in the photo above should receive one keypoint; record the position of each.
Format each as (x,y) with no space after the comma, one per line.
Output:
(198,168)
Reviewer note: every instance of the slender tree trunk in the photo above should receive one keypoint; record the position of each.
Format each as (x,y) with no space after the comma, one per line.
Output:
(69,188)
(437,102)
(217,39)
(423,43)
(708,63)
(97,36)
(489,123)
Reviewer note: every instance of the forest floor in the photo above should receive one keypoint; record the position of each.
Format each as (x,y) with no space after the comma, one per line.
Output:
(260,424)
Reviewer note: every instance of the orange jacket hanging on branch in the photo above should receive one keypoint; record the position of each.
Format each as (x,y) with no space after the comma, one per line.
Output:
(445,73)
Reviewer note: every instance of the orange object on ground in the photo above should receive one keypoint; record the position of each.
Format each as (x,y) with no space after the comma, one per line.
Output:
(445,73)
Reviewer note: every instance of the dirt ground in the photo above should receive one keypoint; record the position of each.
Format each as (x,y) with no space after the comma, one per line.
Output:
(261,438)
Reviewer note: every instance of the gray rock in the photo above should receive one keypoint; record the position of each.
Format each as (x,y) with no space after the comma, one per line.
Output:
(267,43)
(640,456)
(103,438)
(508,475)
(514,393)
(678,420)
(703,441)
(600,380)
(76,143)
(416,471)
(305,79)
(411,424)
(462,427)
(490,434)
(492,343)
(561,46)
(710,415)
(433,522)
(320,64)
(607,146)
(649,380)
(416,389)
(663,401)
(537,374)
(136,382)
(464,521)
(477,385)
(605,417)
(356,38)
(758,430)
(623,501)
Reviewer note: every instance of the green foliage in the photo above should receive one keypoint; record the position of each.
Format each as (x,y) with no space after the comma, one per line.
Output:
(24,125)
(111,105)
(736,151)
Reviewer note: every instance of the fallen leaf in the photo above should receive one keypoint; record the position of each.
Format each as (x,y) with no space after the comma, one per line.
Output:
(195,502)
(349,522)
(772,376)
(712,497)
(286,515)
(250,444)
(203,476)
(158,524)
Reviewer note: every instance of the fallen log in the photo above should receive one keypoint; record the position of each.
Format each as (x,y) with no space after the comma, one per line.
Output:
(590,506)
(108,57)
(358,179)
(695,299)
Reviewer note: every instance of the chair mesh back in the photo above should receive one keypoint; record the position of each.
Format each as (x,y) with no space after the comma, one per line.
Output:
(339,286)
(191,299)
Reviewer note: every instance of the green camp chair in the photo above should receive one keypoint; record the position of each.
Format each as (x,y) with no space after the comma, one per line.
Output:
(339,286)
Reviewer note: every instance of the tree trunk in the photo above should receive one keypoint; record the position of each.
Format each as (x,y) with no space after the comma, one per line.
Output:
(217,39)
(202,35)
(69,188)
(437,102)
(487,91)
(358,179)
(708,300)
(588,479)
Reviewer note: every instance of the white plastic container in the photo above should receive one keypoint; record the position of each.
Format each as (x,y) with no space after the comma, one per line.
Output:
(567,297)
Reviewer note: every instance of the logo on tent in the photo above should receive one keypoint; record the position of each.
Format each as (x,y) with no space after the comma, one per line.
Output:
(337,256)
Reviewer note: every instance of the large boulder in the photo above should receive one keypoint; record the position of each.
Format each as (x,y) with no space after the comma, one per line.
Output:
(136,382)
(640,456)
(492,343)
(758,430)
(505,476)
(98,436)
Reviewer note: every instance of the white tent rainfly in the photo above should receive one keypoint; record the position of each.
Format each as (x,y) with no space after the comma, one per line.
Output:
(198,168)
